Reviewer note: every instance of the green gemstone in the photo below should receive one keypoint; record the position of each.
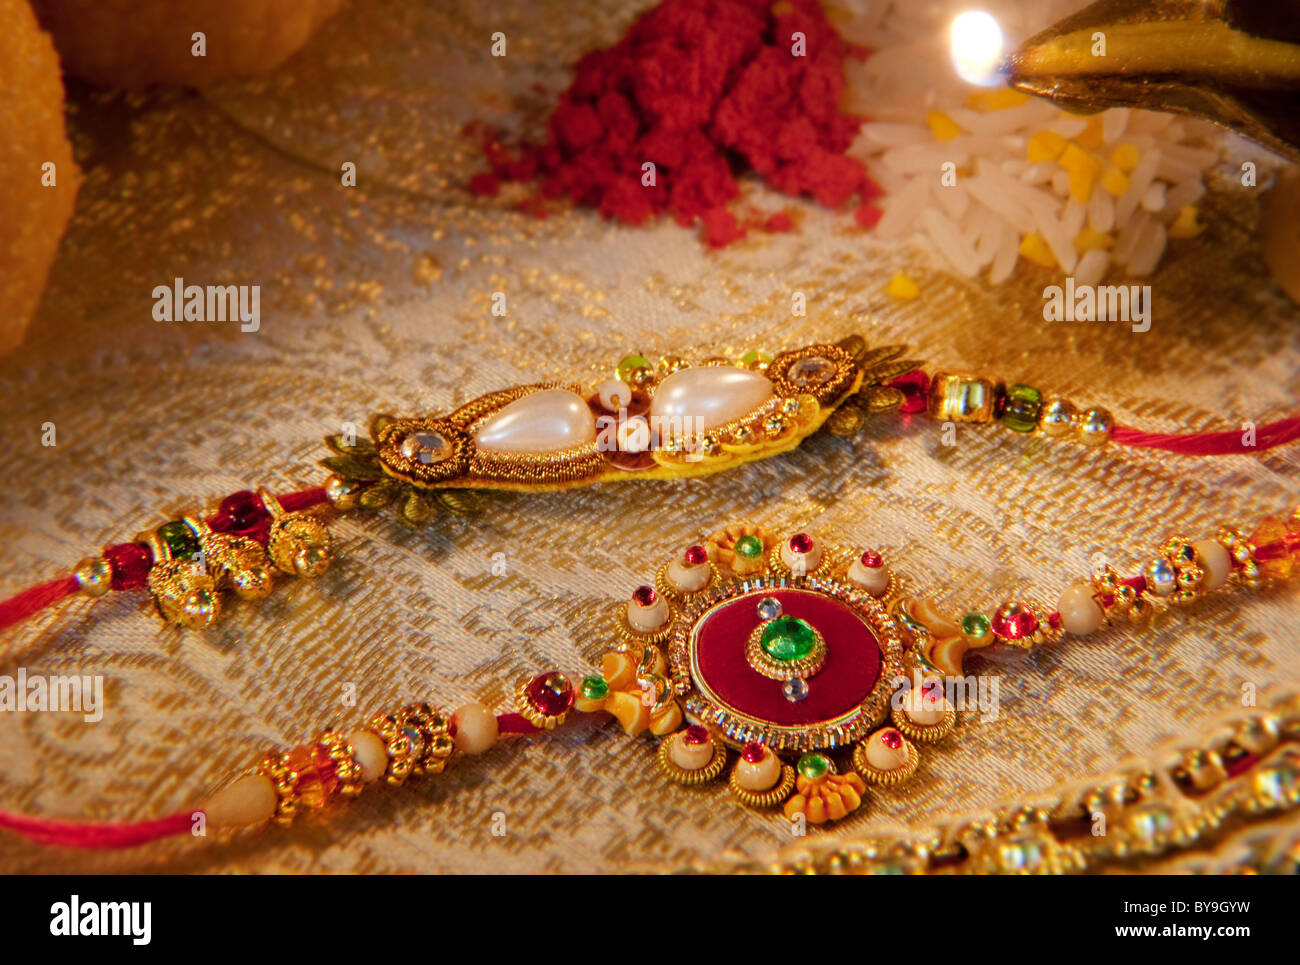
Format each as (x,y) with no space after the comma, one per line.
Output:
(631,365)
(595,688)
(975,625)
(1023,405)
(753,358)
(787,639)
(180,539)
(750,547)
(814,766)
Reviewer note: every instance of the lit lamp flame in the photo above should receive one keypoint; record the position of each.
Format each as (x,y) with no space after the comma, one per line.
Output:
(976,41)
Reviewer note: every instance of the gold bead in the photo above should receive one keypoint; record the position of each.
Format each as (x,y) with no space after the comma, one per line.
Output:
(669,364)
(961,398)
(94,576)
(1057,418)
(1094,427)
(251,583)
(342,494)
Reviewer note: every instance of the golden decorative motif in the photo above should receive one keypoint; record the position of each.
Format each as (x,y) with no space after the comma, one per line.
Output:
(890,777)
(763,800)
(640,694)
(775,669)
(924,733)
(722,549)
(665,587)
(690,778)
(827,798)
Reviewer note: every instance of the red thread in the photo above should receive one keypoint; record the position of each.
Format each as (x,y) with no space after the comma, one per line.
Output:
(516,724)
(303,499)
(78,834)
(34,599)
(1225,443)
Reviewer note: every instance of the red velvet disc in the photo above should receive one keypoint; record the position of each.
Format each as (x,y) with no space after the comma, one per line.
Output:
(851,670)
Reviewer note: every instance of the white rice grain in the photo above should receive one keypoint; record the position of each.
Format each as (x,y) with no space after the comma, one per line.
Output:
(1091,267)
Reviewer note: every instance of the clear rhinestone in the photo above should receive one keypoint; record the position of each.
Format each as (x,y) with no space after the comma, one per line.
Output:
(795,689)
(769,608)
(810,372)
(425,447)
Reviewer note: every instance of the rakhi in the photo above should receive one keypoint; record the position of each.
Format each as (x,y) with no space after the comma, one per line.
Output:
(668,419)
(804,670)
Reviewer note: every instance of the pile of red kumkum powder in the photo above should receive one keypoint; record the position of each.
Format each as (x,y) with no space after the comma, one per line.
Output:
(703,90)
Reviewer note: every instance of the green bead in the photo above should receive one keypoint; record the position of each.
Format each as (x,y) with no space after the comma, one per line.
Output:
(595,688)
(1023,404)
(814,766)
(750,547)
(631,367)
(787,638)
(753,359)
(975,626)
(180,539)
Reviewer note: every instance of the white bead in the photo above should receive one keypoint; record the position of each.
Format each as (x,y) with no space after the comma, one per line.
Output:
(923,711)
(760,777)
(249,800)
(614,394)
(476,728)
(873,579)
(882,757)
(801,564)
(706,397)
(688,579)
(1080,613)
(545,421)
(690,757)
(1217,562)
(633,435)
(370,754)
(647,619)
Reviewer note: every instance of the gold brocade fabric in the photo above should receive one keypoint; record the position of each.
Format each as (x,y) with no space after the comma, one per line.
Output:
(379,297)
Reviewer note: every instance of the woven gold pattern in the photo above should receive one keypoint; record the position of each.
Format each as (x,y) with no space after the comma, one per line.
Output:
(379,300)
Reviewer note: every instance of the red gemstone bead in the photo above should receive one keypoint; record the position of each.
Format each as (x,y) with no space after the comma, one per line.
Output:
(695,734)
(244,509)
(550,693)
(915,387)
(754,753)
(131,563)
(644,595)
(696,555)
(1012,621)
(891,739)
(872,560)
(801,543)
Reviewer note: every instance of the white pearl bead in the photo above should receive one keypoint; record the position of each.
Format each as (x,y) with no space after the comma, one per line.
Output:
(370,754)
(1080,613)
(249,800)
(759,777)
(476,728)
(712,394)
(873,579)
(883,757)
(923,711)
(647,619)
(801,564)
(690,757)
(614,394)
(545,421)
(688,579)
(1217,562)
(634,435)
